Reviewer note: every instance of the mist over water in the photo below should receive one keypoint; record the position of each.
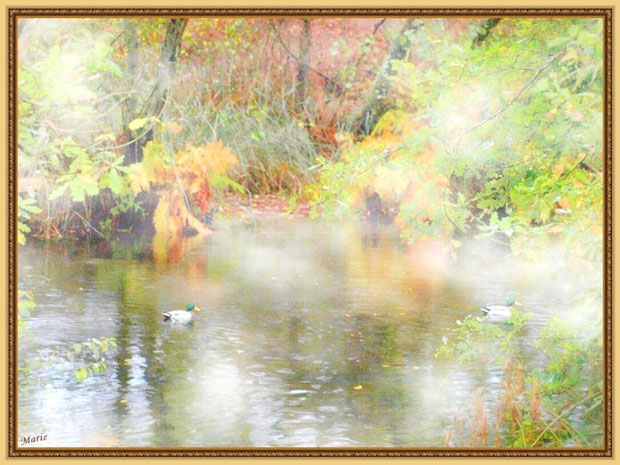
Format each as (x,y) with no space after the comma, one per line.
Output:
(309,335)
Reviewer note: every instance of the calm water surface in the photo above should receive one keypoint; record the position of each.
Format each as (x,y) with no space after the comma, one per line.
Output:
(295,314)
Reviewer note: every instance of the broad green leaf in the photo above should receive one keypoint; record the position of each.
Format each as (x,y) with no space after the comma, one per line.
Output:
(115,181)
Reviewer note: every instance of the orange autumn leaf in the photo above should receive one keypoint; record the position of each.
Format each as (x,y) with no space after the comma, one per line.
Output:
(558,170)
(188,183)
(173,127)
(213,158)
(385,140)
(564,202)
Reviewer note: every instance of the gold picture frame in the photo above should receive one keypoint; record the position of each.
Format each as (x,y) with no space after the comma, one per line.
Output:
(14,450)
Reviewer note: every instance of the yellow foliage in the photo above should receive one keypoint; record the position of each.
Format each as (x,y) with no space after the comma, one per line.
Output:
(138,180)
(152,170)
(397,122)
(356,194)
(165,223)
(390,184)
(155,163)
(171,216)
(564,202)
(166,249)
(386,139)
(212,158)
(193,167)
(310,191)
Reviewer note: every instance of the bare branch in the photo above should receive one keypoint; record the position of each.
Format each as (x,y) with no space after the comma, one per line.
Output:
(548,63)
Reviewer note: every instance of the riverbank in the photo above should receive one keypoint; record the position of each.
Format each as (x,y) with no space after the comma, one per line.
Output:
(267,205)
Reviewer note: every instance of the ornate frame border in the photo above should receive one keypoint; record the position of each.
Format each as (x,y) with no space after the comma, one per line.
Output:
(14,451)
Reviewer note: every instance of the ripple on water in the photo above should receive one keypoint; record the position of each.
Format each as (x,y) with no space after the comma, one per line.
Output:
(268,362)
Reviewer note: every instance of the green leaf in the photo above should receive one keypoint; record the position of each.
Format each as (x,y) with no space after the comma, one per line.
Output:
(77,348)
(98,367)
(115,69)
(110,136)
(60,190)
(90,186)
(26,304)
(221,181)
(81,374)
(30,208)
(115,181)
(78,193)
(23,312)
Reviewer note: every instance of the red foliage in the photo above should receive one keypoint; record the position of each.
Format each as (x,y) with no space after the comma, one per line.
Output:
(203,197)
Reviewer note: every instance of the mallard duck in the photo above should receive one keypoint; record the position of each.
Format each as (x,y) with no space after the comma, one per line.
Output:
(181,315)
(499,311)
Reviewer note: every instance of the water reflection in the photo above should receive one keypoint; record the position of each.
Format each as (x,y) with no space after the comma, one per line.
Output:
(309,336)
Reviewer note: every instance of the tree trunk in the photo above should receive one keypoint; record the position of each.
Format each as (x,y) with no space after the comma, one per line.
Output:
(165,74)
(303,65)
(168,62)
(377,102)
(128,106)
(484,30)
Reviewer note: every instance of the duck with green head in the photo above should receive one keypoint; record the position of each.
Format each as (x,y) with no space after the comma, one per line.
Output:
(181,315)
(499,311)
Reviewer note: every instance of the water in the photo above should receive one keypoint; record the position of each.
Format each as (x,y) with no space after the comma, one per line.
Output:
(309,335)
